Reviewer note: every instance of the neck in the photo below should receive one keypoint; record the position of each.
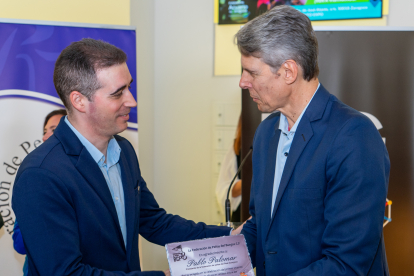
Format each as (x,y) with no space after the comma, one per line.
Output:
(100,142)
(300,96)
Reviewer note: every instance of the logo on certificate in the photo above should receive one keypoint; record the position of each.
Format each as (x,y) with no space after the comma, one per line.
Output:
(179,255)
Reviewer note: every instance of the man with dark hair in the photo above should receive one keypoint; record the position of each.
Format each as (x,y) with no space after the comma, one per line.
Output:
(320,168)
(80,198)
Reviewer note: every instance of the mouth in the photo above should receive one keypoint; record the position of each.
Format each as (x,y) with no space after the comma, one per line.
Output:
(124,116)
(255,99)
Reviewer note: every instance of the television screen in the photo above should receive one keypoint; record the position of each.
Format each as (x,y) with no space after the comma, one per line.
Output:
(240,12)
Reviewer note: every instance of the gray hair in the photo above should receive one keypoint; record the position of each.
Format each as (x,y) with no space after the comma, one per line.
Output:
(76,67)
(278,35)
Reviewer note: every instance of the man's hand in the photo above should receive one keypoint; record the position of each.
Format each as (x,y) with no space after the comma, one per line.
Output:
(238,230)
(167,273)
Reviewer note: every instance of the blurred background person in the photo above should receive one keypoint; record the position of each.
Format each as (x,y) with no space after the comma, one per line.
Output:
(298,2)
(229,167)
(266,5)
(263,6)
(51,122)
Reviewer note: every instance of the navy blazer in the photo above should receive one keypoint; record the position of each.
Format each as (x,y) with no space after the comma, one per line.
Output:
(329,209)
(69,221)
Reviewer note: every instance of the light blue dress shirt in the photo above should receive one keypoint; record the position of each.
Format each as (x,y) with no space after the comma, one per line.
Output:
(283,148)
(111,171)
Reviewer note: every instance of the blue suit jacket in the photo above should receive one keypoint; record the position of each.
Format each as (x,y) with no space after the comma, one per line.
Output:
(69,221)
(329,209)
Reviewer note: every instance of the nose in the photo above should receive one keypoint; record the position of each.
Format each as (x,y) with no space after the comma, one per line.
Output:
(244,81)
(130,101)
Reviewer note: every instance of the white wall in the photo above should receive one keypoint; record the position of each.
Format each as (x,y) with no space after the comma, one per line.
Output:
(176,91)
(401,13)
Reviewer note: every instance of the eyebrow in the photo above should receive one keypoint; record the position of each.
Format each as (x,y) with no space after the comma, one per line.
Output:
(121,88)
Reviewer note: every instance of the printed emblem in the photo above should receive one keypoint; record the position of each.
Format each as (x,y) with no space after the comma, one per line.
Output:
(180,255)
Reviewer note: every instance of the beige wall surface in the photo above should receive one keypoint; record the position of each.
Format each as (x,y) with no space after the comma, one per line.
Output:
(81,11)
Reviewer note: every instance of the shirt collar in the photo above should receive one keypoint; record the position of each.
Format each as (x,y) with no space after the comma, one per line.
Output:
(113,151)
(283,122)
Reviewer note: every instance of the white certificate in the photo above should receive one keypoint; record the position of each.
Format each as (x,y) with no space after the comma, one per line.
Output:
(210,257)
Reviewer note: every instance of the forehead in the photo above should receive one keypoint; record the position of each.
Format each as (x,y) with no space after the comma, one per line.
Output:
(256,67)
(54,120)
(252,63)
(114,76)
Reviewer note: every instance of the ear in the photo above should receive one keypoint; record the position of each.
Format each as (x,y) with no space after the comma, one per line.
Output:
(78,101)
(290,71)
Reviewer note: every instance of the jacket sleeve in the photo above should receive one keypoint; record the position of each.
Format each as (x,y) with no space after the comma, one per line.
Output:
(250,227)
(250,233)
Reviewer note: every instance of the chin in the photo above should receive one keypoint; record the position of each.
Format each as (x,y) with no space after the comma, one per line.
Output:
(261,109)
(265,109)
(123,127)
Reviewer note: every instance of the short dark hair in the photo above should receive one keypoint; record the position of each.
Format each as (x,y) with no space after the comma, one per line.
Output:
(76,67)
(53,113)
(278,35)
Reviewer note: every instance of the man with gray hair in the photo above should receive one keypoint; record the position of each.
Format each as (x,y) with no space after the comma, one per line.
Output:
(320,168)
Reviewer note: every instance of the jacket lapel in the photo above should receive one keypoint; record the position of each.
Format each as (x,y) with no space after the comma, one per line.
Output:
(301,139)
(93,175)
(270,175)
(129,196)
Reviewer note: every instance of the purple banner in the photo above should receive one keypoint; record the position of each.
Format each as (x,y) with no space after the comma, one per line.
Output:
(28,53)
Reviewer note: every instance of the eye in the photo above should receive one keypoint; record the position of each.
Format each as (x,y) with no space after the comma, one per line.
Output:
(119,94)
(250,73)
